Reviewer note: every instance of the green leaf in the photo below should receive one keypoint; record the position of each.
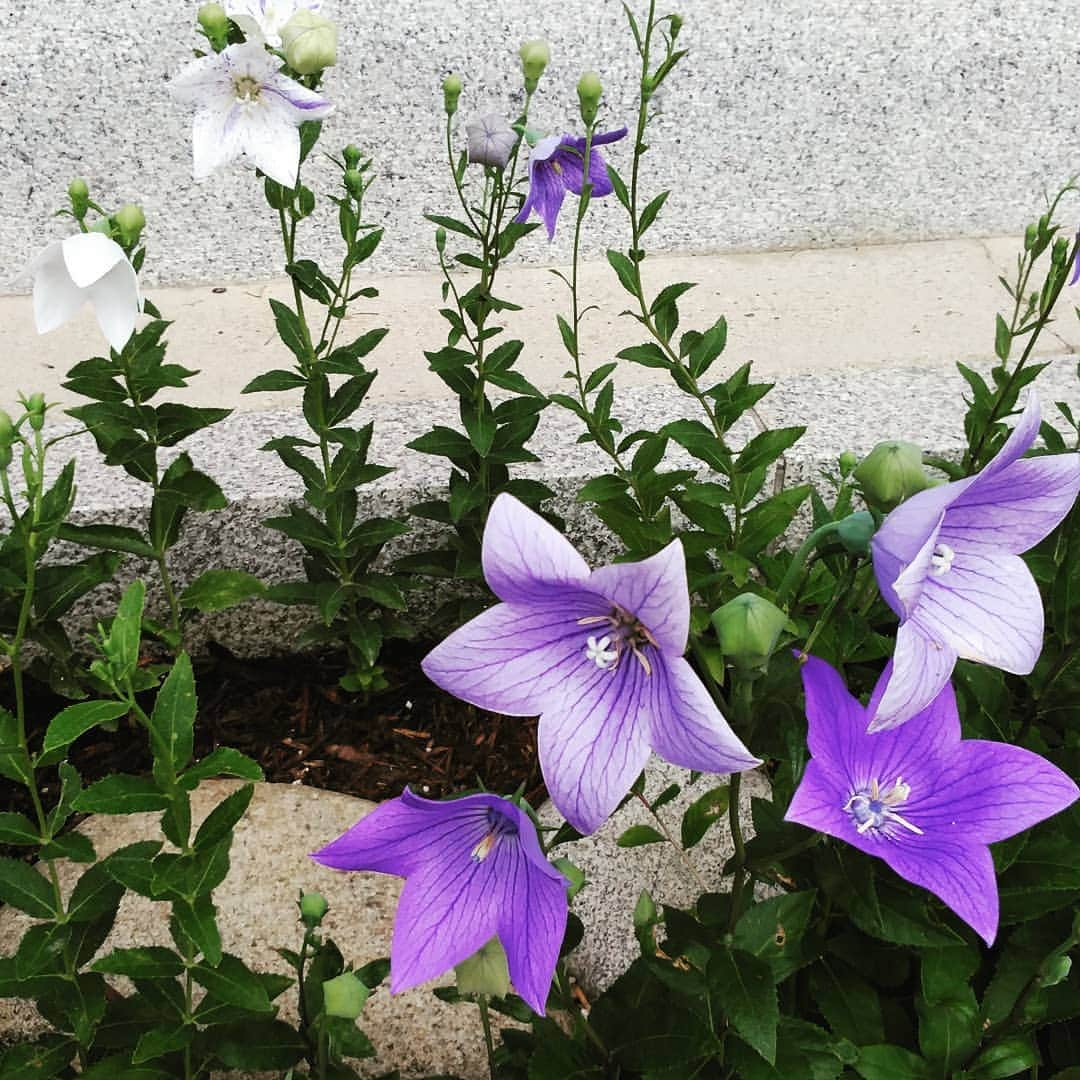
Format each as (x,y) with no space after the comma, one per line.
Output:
(848,1002)
(144,962)
(948,1031)
(73,845)
(453,225)
(702,813)
(216,590)
(121,794)
(1011,1057)
(891,1063)
(625,269)
(172,723)
(773,930)
(96,893)
(224,761)
(121,646)
(74,721)
(765,448)
(258,1045)
(17,829)
(220,822)
(648,215)
(274,381)
(234,983)
(639,835)
(109,537)
(24,888)
(14,761)
(59,586)
(648,355)
(132,867)
(290,330)
(161,1041)
(198,921)
(1002,339)
(743,986)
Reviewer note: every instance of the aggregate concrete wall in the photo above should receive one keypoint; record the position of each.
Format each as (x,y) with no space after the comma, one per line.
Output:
(791,124)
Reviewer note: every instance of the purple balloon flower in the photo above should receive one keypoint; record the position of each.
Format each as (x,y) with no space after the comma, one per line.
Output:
(598,655)
(473,870)
(948,563)
(919,797)
(557,165)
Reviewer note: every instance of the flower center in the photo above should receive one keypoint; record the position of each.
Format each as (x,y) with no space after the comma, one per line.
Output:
(499,825)
(624,633)
(872,808)
(942,559)
(246,87)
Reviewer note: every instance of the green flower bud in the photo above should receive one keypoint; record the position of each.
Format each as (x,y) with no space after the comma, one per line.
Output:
(215,25)
(451,89)
(856,531)
(535,56)
(589,92)
(35,407)
(440,239)
(344,996)
(352,156)
(313,907)
(130,220)
(891,473)
(309,42)
(7,428)
(354,183)
(485,972)
(1055,971)
(79,194)
(748,629)
(847,462)
(1031,234)
(676,22)
(1060,251)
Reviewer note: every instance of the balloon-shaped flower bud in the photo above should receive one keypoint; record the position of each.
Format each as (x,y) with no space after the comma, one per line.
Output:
(676,23)
(1059,253)
(890,473)
(7,437)
(130,221)
(451,89)
(313,908)
(310,42)
(35,408)
(79,194)
(440,239)
(485,972)
(535,56)
(352,156)
(215,25)
(589,92)
(748,629)
(856,531)
(345,996)
(1031,234)
(847,462)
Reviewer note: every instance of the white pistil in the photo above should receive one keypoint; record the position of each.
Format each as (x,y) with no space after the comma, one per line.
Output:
(600,653)
(942,559)
(873,808)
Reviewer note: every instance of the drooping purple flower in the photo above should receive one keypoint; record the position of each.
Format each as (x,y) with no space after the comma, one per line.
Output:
(948,563)
(473,870)
(920,797)
(598,655)
(491,140)
(557,165)
(1076,262)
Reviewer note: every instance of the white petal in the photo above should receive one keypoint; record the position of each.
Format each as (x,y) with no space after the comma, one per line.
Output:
(56,296)
(90,256)
(273,144)
(288,99)
(216,138)
(203,81)
(116,304)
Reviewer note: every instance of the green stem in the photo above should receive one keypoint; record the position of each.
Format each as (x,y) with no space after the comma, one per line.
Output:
(489,1041)
(687,864)
(742,721)
(841,588)
(798,561)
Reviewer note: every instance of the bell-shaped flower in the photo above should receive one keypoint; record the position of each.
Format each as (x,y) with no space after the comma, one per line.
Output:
(86,267)
(246,108)
(599,656)
(473,870)
(556,166)
(491,141)
(263,20)
(948,563)
(919,796)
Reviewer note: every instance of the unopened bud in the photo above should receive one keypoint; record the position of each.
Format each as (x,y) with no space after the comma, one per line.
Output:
(891,473)
(1055,971)
(535,56)
(440,239)
(130,220)
(1031,234)
(354,183)
(352,156)
(451,89)
(79,194)
(344,996)
(313,907)
(7,428)
(676,22)
(215,25)
(748,629)
(1060,251)
(310,42)
(589,92)
(485,972)
(847,462)
(35,408)
(856,531)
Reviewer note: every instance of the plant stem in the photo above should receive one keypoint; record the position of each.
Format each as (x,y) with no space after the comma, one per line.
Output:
(489,1041)
(689,866)
(841,588)
(742,721)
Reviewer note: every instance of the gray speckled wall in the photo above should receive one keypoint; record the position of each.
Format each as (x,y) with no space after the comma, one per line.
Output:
(792,123)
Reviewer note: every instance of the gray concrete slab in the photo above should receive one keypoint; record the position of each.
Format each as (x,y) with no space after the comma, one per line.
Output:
(790,124)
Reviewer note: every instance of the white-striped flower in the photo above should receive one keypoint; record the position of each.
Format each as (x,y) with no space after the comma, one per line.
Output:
(263,20)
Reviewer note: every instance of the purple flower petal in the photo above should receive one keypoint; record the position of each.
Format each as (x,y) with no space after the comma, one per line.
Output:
(523,553)
(593,741)
(686,728)
(921,667)
(654,591)
(1018,443)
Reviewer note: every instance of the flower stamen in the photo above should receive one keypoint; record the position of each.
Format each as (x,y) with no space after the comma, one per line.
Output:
(626,632)
(873,809)
(942,559)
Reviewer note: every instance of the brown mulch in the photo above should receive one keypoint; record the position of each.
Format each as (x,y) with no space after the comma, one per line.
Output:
(290,716)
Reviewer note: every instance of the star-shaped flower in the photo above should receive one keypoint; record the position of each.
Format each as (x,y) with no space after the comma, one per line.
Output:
(86,267)
(920,797)
(599,655)
(246,108)
(473,870)
(556,166)
(491,140)
(948,563)
(263,20)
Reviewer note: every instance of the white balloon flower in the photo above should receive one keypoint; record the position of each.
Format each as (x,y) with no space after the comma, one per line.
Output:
(263,20)
(86,266)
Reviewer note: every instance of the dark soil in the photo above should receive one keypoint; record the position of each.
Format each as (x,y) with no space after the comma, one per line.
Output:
(290,716)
